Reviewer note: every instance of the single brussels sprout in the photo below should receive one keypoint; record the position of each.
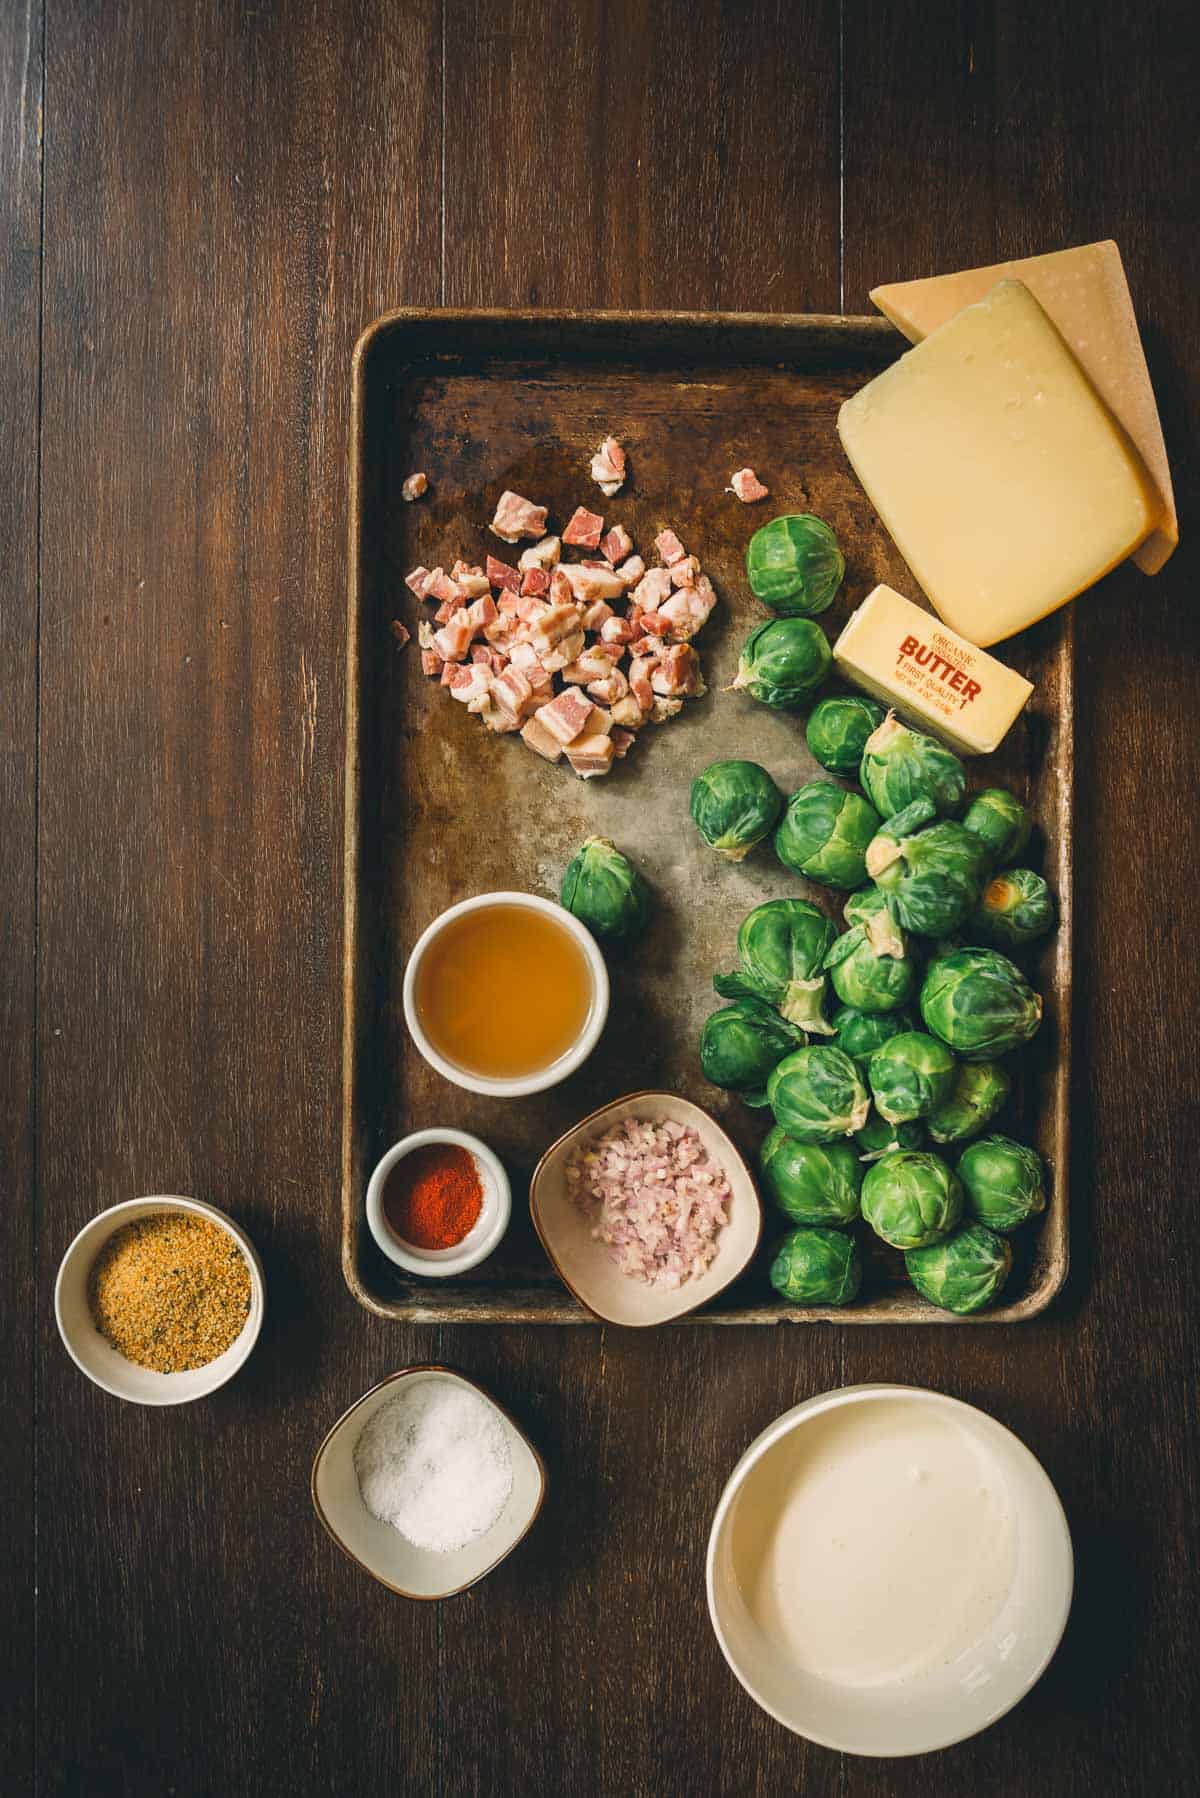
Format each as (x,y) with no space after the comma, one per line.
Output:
(867,979)
(825,832)
(979,1003)
(980,1089)
(605,891)
(859,1033)
(931,876)
(794,565)
(782,946)
(964,1272)
(817,1267)
(812,1183)
(878,1138)
(900,765)
(1017,907)
(838,729)
(734,806)
(909,1076)
(783,662)
(1003,1180)
(911,1198)
(740,1044)
(818,1095)
(1000,820)
(869,906)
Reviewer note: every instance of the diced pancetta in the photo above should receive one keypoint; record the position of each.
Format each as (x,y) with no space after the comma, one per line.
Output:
(747,486)
(687,610)
(591,665)
(445,611)
(617,630)
(442,587)
(431,662)
(500,574)
(401,632)
(563,653)
(664,709)
(425,635)
(554,624)
(684,572)
(469,681)
(588,584)
(597,615)
(508,603)
(517,517)
(512,692)
(482,612)
(622,742)
(678,671)
(584,527)
(640,670)
(432,576)
(540,740)
(449,669)
(609,688)
(415,581)
(496,717)
(631,570)
(591,755)
(414,486)
(540,555)
(535,580)
(567,716)
(651,590)
(669,547)
(628,713)
(616,544)
(608,467)
(654,624)
(531,609)
(454,638)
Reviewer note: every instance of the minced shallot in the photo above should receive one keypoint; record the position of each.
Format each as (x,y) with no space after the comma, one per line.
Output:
(655,1196)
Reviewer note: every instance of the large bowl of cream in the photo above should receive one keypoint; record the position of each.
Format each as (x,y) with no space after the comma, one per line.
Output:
(889,1570)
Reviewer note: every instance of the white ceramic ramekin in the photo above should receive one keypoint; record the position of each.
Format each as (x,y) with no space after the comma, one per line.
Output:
(480,1240)
(892,1718)
(557,1070)
(104,1364)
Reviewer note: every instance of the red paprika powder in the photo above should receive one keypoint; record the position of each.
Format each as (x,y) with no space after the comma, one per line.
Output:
(434,1196)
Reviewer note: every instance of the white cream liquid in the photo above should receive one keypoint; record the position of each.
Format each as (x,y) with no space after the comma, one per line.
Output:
(877,1545)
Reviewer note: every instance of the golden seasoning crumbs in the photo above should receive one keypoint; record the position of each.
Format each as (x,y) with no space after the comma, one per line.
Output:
(170,1292)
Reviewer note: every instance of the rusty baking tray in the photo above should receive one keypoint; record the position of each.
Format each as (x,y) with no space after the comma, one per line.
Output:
(436,809)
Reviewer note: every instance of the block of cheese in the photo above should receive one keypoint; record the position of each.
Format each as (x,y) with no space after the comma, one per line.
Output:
(1085,293)
(929,674)
(1007,484)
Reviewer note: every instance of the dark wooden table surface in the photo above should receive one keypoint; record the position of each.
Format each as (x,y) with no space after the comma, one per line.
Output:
(201,204)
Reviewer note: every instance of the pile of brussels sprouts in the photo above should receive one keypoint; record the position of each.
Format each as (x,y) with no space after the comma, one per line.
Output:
(870,1045)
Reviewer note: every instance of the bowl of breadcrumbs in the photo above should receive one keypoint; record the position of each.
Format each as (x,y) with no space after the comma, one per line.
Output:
(160,1300)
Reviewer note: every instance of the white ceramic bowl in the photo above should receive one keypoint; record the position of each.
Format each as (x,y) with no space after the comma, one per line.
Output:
(104,1364)
(557,1070)
(484,1235)
(382,1551)
(938,1707)
(586,1267)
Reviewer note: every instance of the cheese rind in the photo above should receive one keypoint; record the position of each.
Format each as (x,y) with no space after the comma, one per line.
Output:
(1005,481)
(905,656)
(1086,295)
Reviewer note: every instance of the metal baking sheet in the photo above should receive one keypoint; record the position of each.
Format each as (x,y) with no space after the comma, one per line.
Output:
(438,809)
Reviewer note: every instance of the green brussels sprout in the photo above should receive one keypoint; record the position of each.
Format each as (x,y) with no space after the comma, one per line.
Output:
(979,1003)
(605,891)
(741,1043)
(817,1267)
(783,662)
(1000,820)
(931,876)
(980,1089)
(818,1095)
(869,906)
(782,946)
(911,1198)
(867,978)
(794,565)
(734,806)
(838,729)
(878,1138)
(859,1033)
(900,765)
(812,1183)
(1003,1181)
(909,1076)
(964,1272)
(1017,907)
(825,832)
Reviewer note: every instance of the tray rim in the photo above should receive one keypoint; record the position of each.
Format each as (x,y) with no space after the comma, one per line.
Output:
(560,1307)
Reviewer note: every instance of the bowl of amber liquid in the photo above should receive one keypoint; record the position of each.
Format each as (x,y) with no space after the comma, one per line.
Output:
(506,994)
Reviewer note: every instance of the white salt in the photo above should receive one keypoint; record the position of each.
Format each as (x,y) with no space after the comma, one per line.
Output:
(434,1462)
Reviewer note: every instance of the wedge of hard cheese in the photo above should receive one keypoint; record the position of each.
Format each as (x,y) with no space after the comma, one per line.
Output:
(929,674)
(1085,293)
(1006,483)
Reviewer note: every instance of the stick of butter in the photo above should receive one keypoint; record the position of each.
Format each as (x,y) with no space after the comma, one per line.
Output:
(914,663)
(1007,484)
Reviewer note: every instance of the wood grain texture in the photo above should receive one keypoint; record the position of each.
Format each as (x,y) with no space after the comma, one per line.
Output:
(20,288)
(231,193)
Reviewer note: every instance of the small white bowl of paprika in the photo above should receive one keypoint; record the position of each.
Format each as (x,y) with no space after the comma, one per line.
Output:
(438,1203)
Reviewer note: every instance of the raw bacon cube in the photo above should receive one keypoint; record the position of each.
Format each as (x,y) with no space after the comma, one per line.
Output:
(563,653)
(499,574)
(482,612)
(597,615)
(678,671)
(608,467)
(415,581)
(567,716)
(508,604)
(591,583)
(442,587)
(631,571)
(540,740)
(540,555)
(469,681)
(535,580)
(517,517)
(622,742)
(747,486)
(401,632)
(584,528)
(651,590)
(669,547)
(431,662)
(617,630)
(609,688)
(616,545)
(687,610)
(454,638)
(414,486)
(628,713)
(685,571)
(640,670)
(590,756)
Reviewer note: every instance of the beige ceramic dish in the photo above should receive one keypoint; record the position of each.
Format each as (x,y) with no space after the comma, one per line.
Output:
(585,1265)
(382,1551)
